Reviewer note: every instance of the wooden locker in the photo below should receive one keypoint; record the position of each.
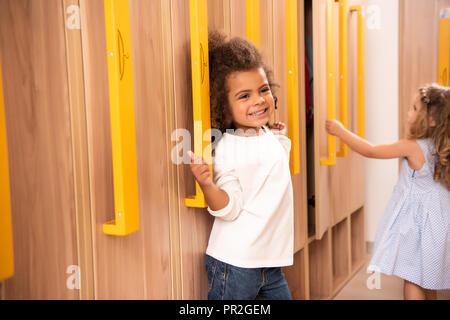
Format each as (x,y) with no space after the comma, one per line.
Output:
(418,50)
(336,189)
(137,266)
(165,258)
(37,116)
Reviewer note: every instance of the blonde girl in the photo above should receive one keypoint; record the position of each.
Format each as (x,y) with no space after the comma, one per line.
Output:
(413,239)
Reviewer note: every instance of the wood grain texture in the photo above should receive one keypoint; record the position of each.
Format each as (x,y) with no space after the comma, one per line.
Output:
(153,156)
(238,27)
(340,252)
(418,50)
(357,238)
(320,268)
(280,77)
(195,224)
(297,276)
(74,56)
(136,266)
(173,196)
(37,114)
(339,188)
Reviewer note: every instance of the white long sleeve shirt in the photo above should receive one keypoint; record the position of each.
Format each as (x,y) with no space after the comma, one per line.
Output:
(256,228)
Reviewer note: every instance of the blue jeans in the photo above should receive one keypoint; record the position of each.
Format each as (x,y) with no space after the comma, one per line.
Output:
(228,282)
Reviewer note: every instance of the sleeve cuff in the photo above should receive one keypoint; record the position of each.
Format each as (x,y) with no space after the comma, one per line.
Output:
(224,211)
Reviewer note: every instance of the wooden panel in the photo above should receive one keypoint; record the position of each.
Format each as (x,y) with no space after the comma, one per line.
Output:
(136,266)
(74,58)
(173,196)
(339,188)
(237,16)
(320,107)
(299,181)
(340,252)
(267,37)
(195,224)
(40,148)
(297,276)
(320,268)
(280,77)
(358,239)
(152,153)
(419,43)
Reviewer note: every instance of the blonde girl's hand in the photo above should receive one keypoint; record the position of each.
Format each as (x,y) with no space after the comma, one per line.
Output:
(279,128)
(200,170)
(333,127)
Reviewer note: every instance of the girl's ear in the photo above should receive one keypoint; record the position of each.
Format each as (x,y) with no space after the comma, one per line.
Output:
(432,123)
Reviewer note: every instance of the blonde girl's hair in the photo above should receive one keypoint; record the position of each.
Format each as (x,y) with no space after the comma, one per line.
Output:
(435,101)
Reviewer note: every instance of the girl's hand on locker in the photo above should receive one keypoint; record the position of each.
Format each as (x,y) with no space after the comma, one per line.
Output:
(200,169)
(334,127)
(279,128)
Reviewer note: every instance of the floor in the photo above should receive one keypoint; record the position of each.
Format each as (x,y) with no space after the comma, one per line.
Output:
(384,288)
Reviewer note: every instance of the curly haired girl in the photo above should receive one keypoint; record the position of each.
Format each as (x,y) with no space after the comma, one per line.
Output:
(251,196)
(413,239)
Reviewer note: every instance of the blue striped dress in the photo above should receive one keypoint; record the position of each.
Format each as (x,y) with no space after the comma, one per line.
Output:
(413,239)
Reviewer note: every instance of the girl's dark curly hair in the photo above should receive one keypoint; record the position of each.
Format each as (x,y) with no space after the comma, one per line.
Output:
(435,101)
(226,57)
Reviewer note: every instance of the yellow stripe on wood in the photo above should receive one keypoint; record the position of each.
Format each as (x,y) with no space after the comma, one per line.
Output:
(6,241)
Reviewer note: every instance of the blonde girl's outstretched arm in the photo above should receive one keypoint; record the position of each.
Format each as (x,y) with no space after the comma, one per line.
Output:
(399,149)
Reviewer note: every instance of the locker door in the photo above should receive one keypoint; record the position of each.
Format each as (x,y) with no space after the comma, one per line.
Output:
(138,265)
(339,181)
(37,117)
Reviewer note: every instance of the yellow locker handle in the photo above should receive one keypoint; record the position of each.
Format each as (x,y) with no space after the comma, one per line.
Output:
(120,79)
(252,21)
(331,92)
(6,238)
(200,91)
(292,84)
(444,48)
(343,69)
(361,70)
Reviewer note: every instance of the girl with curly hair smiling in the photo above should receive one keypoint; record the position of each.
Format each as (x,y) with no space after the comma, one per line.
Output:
(251,196)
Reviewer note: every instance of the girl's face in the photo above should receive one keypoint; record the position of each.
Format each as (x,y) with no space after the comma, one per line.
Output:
(414,111)
(250,99)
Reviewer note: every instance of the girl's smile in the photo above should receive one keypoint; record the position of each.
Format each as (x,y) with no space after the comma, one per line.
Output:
(250,98)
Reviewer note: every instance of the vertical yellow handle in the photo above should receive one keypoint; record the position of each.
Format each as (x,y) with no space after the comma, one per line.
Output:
(200,90)
(252,21)
(331,92)
(444,48)
(343,69)
(361,71)
(120,76)
(292,84)
(6,241)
